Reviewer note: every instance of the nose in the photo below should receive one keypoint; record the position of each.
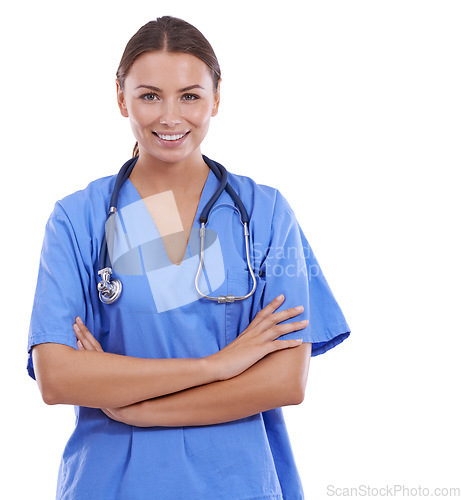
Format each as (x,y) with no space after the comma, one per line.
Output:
(170,115)
(170,123)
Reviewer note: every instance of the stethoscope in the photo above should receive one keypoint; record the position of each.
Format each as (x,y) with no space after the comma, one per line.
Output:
(110,289)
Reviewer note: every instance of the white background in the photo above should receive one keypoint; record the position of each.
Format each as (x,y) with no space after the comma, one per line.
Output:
(352,109)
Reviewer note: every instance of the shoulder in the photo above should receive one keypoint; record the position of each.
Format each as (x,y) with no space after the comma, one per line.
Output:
(82,214)
(259,196)
(94,197)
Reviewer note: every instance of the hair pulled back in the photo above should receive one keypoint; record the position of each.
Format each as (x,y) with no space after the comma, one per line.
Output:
(169,34)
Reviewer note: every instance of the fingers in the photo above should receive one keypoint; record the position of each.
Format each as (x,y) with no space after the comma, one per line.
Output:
(278,345)
(267,311)
(285,314)
(279,330)
(111,413)
(85,340)
(267,318)
(273,330)
(268,324)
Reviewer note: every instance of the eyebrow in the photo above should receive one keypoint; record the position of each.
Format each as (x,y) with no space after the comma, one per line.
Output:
(156,89)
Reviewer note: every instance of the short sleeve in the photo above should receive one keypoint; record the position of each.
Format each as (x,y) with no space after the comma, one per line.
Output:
(290,267)
(62,287)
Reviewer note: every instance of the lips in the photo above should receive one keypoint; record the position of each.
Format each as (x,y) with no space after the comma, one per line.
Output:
(171,137)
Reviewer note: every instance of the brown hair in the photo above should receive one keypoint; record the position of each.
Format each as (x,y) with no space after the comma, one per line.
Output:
(171,35)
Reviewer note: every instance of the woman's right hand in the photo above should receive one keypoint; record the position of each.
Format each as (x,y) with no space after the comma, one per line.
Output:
(257,340)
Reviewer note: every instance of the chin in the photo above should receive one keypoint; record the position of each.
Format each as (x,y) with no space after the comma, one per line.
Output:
(168,156)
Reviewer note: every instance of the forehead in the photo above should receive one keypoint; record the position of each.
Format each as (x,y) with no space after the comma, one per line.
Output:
(168,69)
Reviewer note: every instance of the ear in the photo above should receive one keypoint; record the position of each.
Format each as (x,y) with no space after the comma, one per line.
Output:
(121,99)
(217,98)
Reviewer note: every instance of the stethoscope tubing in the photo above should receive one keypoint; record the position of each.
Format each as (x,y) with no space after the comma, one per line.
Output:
(110,289)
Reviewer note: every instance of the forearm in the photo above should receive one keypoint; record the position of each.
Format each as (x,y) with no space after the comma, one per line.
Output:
(99,379)
(262,387)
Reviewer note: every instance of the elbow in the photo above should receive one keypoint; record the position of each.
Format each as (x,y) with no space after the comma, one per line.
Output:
(49,389)
(49,397)
(49,362)
(291,394)
(299,376)
(298,396)
(294,367)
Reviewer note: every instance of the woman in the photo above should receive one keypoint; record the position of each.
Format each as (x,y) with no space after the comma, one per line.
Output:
(177,395)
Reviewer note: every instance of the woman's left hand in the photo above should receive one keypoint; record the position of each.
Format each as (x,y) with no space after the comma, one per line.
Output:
(86,342)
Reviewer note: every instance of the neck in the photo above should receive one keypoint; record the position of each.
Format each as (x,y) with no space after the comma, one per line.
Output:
(156,176)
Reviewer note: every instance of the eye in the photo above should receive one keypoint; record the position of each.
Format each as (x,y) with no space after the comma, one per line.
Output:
(149,97)
(190,97)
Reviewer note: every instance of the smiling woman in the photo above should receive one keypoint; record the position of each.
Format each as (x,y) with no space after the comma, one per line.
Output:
(173,37)
(169,122)
(177,396)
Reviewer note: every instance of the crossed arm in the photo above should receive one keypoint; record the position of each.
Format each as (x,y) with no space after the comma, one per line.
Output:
(278,379)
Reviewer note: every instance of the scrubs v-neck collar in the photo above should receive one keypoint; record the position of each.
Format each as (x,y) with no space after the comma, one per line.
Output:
(129,194)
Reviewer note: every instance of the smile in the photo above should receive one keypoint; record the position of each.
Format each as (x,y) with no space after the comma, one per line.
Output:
(166,137)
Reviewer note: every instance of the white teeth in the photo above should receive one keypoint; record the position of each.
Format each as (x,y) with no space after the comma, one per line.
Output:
(171,137)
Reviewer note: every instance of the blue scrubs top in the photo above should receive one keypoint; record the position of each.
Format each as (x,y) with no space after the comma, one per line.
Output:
(160,315)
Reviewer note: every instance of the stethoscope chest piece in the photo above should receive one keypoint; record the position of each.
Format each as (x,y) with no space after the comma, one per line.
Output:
(109,289)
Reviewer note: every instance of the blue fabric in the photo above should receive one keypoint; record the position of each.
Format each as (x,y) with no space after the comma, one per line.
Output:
(159,315)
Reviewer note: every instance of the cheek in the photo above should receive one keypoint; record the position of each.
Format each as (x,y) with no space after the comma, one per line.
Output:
(141,113)
(200,115)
